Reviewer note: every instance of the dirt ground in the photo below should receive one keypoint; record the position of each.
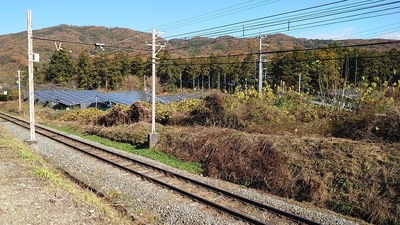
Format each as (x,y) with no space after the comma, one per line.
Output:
(26,198)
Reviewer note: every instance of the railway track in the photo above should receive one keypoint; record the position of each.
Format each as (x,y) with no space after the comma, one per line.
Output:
(240,207)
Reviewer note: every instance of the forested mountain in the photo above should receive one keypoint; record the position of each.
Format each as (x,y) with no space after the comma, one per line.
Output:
(13,47)
(69,56)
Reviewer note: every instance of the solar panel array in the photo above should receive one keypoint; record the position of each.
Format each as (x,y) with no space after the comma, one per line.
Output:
(84,98)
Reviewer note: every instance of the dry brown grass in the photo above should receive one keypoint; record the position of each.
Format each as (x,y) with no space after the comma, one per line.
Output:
(360,179)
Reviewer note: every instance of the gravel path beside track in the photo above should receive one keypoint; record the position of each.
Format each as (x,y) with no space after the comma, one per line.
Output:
(26,198)
(148,202)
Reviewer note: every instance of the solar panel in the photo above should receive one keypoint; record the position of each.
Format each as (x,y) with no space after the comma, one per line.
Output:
(179,97)
(85,98)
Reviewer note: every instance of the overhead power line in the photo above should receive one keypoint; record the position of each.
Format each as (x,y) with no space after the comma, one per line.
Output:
(207,16)
(375,57)
(217,13)
(369,31)
(295,50)
(194,33)
(86,44)
(317,17)
(63,41)
(299,19)
(305,18)
(341,14)
(328,21)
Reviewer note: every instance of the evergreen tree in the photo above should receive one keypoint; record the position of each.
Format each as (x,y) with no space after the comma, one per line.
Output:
(180,66)
(118,69)
(215,71)
(39,73)
(287,67)
(137,66)
(247,71)
(60,68)
(100,64)
(167,71)
(225,67)
(393,66)
(191,73)
(84,71)
(205,72)
(124,63)
(231,75)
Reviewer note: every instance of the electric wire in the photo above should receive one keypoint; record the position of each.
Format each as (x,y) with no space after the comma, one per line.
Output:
(193,33)
(256,23)
(239,63)
(312,25)
(308,8)
(386,32)
(336,20)
(327,21)
(299,18)
(134,37)
(323,12)
(201,18)
(366,31)
(211,15)
(311,16)
(85,44)
(295,50)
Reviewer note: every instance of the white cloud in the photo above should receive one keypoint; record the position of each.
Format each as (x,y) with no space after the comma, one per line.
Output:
(393,35)
(345,33)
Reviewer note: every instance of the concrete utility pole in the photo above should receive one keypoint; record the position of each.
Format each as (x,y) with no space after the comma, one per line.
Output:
(153,136)
(30,69)
(299,83)
(260,62)
(19,91)
(32,57)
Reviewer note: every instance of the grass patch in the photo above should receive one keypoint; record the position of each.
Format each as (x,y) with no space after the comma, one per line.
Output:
(169,160)
(148,153)
(51,176)
(393,158)
(28,156)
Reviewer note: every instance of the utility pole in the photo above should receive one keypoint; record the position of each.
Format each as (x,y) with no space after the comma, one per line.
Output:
(260,62)
(32,57)
(30,69)
(299,83)
(19,92)
(153,136)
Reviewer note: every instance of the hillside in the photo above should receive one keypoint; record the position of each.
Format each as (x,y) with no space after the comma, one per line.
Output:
(13,47)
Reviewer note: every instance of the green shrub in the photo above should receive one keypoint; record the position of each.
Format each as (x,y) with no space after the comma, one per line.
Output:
(4,98)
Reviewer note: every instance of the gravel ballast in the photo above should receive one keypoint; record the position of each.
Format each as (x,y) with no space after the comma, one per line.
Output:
(148,202)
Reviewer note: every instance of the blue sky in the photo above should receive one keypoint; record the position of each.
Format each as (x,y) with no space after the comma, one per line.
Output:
(179,18)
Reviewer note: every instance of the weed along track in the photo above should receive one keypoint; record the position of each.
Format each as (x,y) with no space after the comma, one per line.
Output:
(237,206)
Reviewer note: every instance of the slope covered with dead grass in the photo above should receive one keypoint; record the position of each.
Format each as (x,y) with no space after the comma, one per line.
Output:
(355,178)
